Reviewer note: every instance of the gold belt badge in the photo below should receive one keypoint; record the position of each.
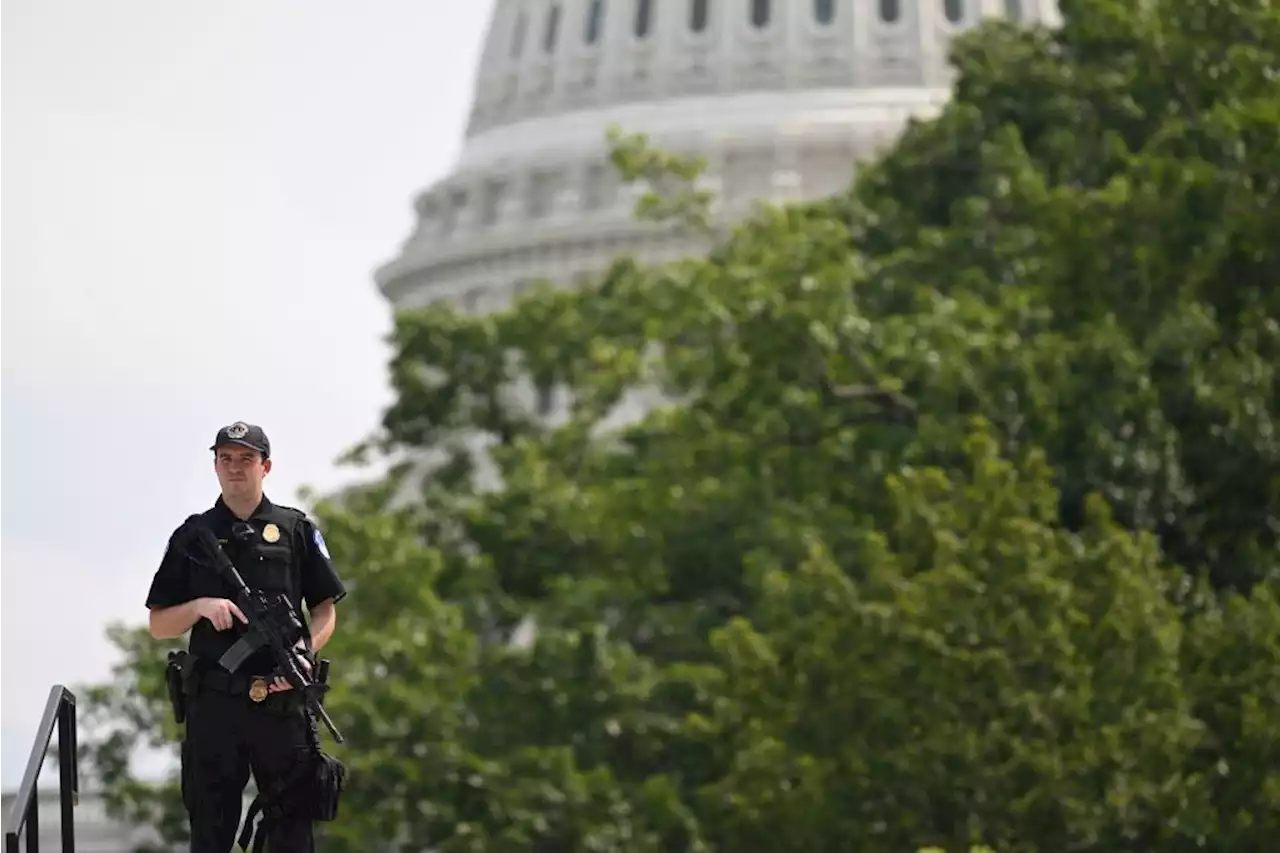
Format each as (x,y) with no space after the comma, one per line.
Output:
(258,689)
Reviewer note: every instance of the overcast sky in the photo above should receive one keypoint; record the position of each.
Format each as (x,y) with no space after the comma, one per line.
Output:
(195,196)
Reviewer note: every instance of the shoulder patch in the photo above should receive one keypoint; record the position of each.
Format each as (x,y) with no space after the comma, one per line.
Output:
(319,540)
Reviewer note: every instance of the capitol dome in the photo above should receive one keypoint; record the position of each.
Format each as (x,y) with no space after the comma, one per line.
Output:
(780,97)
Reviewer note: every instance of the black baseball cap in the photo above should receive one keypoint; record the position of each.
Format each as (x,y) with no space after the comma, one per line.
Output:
(246,435)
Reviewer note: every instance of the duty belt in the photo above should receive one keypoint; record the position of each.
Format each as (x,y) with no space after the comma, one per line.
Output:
(254,686)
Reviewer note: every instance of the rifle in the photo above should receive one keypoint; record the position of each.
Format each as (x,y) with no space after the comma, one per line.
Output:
(271,622)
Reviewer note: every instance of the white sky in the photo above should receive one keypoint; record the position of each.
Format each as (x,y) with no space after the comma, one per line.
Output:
(195,196)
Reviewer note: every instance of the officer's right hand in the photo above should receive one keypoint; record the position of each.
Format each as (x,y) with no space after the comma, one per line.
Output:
(222,612)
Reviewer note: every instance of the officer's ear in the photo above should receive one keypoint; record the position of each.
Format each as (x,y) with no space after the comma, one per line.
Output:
(266,465)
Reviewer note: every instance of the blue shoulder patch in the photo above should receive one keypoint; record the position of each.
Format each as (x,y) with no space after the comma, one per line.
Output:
(319,539)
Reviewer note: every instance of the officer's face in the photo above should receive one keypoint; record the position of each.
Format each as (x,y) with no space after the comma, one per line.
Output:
(240,470)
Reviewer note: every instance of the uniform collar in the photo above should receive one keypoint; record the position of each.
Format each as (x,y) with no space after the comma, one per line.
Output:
(223,512)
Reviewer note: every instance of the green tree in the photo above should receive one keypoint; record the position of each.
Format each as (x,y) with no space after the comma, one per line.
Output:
(958,524)
(1122,175)
(991,676)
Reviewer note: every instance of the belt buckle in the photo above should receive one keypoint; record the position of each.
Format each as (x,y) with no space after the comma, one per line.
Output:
(258,689)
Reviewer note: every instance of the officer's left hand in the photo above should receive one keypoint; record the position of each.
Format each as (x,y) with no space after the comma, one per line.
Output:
(280,684)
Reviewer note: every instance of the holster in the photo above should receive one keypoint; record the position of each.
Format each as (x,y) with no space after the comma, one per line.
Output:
(328,776)
(329,779)
(177,677)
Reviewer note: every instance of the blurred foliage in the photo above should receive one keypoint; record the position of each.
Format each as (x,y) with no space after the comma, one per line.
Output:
(958,524)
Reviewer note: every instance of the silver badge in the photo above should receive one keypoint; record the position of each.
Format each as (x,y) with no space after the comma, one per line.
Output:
(237,430)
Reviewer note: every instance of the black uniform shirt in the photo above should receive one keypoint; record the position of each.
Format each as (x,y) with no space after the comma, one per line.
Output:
(296,564)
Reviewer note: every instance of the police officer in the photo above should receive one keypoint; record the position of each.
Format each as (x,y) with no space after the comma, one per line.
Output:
(250,720)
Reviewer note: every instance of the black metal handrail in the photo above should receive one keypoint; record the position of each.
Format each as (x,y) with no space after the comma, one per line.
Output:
(60,710)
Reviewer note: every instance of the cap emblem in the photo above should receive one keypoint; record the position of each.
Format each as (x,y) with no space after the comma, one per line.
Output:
(237,430)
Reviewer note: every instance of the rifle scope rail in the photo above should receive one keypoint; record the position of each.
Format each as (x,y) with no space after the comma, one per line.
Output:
(59,711)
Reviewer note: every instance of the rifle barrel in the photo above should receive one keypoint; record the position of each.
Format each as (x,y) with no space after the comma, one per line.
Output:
(323,715)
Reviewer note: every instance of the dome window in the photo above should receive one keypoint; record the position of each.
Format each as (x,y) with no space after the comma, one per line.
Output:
(698,14)
(890,11)
(1013,10)
(954,10)
(517,36)
(595,17)
(553,24)
(759,13)
(644,18)
(824,11)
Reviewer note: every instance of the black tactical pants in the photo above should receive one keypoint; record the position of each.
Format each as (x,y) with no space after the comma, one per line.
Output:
(227,736)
